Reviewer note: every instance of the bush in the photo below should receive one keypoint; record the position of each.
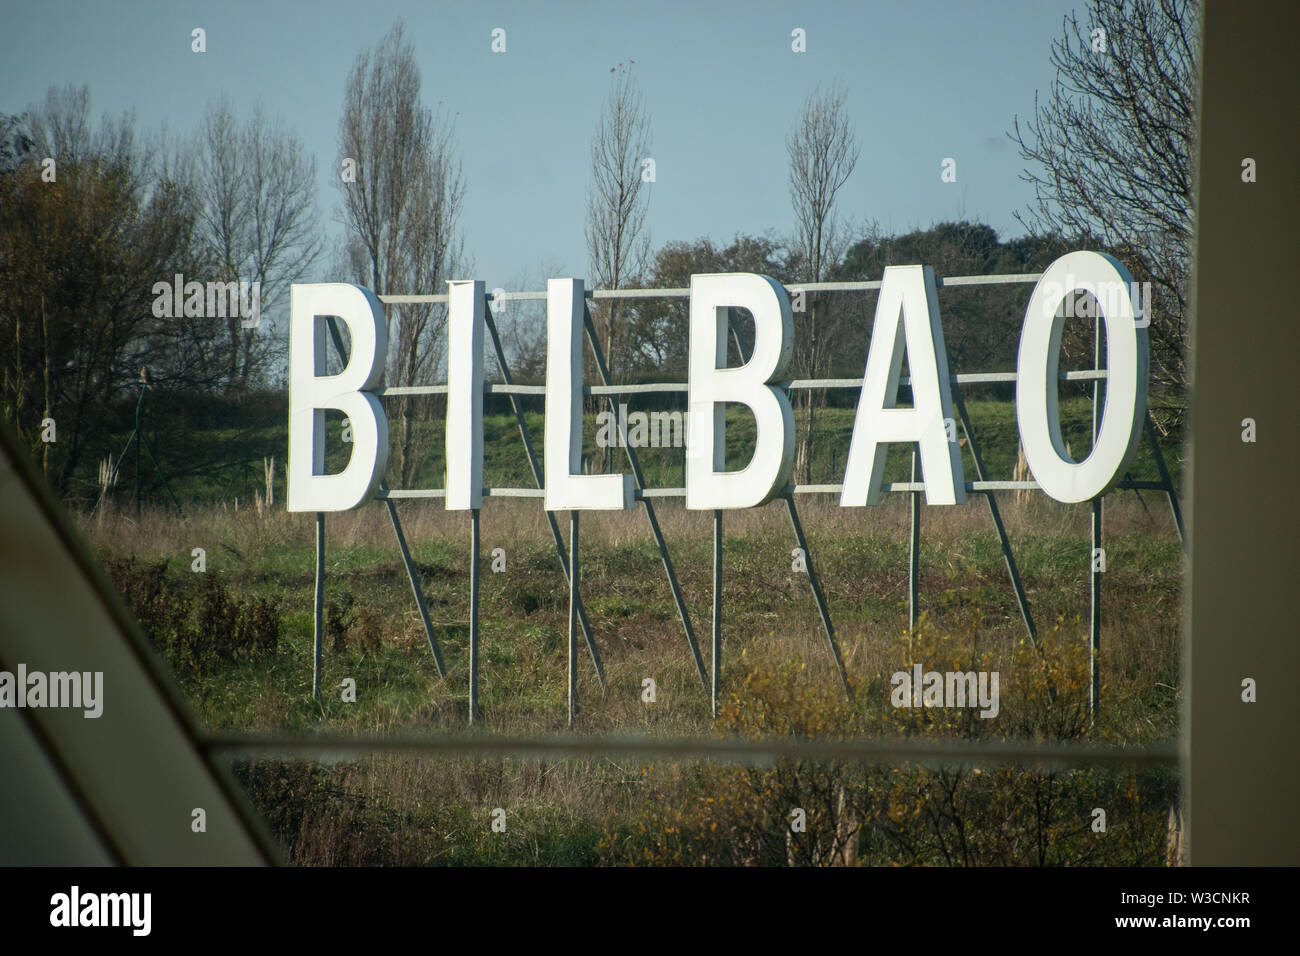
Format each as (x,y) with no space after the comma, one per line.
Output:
(829,813)
(199,628)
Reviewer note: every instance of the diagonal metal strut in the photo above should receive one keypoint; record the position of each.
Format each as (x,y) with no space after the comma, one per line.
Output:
(639,478)
(1013,571)
(412,574)
(813,581)
(560,551)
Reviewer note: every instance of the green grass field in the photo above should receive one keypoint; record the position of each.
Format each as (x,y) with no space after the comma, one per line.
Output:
(777,673)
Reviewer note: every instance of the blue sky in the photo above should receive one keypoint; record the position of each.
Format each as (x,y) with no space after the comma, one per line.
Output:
(926,80)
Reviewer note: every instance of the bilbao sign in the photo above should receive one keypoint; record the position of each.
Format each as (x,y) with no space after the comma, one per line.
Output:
(906,318)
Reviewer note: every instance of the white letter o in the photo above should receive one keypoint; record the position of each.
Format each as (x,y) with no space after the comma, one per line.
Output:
(1038,370)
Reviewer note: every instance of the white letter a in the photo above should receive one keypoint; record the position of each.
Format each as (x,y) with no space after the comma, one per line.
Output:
(908,303)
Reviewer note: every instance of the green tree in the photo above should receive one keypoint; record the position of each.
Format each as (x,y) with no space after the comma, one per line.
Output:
(80,251)
(658,330)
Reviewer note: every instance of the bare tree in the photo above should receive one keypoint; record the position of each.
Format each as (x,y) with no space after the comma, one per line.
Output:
(823,152)
(255,185)
(1113,145)
(617,243)
(403,209)
(522,326)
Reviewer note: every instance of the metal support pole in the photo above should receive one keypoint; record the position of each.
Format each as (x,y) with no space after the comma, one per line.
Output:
(639,478)
(717,607)
(1094,624)
(407,561)
(560,550)
(612,307)
(573,617)
(818,596)
(914,553)
(318,659)
(1098,386)
(735,336)
(473,612)
(822,608)
(415,584)
(1170,491)
(1094,685)
(161,474)
(139,436)
(1008,556)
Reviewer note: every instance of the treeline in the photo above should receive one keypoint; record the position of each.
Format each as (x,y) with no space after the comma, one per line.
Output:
(981,324)
(130,261)
(96,225)
(93,218)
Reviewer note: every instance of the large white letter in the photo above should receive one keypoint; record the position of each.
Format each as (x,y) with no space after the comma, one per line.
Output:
(465,395)
(567,489)
(908,303)
(311,391)
(1038,371)
(712,384)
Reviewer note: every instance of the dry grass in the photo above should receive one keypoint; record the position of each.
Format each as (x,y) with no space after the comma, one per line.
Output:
(860,554)
(404,810)
(247,534)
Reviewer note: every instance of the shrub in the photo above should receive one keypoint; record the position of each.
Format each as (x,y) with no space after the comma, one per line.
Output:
(890,815)
(199,628)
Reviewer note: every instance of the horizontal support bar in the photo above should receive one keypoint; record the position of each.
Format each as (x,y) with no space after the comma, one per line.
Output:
(966,378)
(654,388)
(412,390)
(490,388)
(725,750)
(865,286)
(649,388)
(499,388)
(1013,278)
(976,487)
